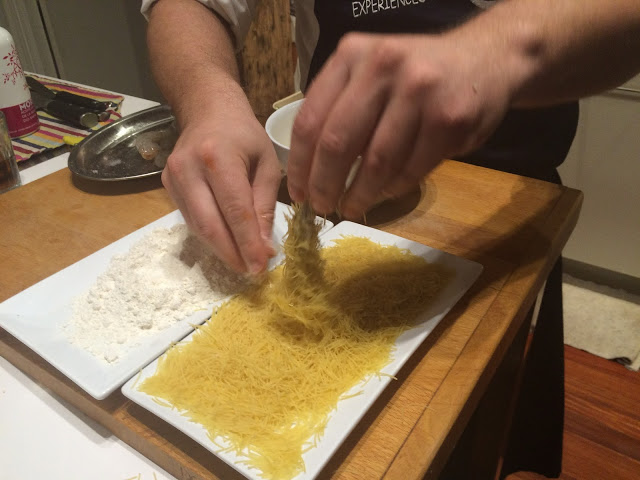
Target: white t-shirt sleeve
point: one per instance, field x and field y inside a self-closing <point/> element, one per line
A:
<point x="237" y="13"/>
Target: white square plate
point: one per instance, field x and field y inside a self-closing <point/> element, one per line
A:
<point x="36" y="316"/>
<point x="351" y="410"/>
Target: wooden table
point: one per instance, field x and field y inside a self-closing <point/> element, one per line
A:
<point x="514" y="226"/>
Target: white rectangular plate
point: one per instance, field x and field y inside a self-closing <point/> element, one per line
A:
<point x="349" y="411"/>
<point x="36" y="316"/>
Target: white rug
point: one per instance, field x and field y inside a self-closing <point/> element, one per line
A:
<point x="602" y="320"/>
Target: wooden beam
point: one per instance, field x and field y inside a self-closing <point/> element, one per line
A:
<point x="266" y="61"/>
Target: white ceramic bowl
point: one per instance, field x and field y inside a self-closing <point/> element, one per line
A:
<point x="279" y="126"/>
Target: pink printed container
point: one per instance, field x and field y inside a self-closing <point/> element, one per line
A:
<point x="15" y="98"/>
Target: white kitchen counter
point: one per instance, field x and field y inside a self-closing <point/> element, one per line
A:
<point x="41" y="436"/>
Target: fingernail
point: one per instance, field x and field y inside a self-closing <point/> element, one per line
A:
<point x="352" y="213"/>
<point x="255" y="279"/>
<point x="386" y="194"/>
<point x="320" y="208"/>
<point x="296" y="194"/>
<point x="255" y="267"/>
<point x="271" y="251"/>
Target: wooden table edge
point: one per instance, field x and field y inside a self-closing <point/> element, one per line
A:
<point x="408" y="465"/>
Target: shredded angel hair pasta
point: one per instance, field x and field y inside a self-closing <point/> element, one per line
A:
<point x="266" y="371"/>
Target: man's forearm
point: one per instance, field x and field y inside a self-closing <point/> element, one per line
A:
<point x="192" y="56"/>
<point x="558" y="50"/>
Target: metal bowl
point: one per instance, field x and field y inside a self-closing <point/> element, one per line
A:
<point x="110" y="154"/>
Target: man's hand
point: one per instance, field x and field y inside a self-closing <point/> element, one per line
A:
<point x="402" y="102"/>
<point x="224" y="175"/>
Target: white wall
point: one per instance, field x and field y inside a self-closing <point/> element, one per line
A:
<point x="604" y="162"/>
<point x="22" y="20"/>
<point x="96" y="42"/>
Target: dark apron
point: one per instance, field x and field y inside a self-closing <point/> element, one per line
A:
<point x="532" y="143"/>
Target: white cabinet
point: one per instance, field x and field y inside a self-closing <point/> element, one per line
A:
<point x="604" y="162"/>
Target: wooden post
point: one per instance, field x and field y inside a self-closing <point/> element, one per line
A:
<point x="266" y="60"/>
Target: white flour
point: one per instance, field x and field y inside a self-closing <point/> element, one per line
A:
<point x="163" y="279"/>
